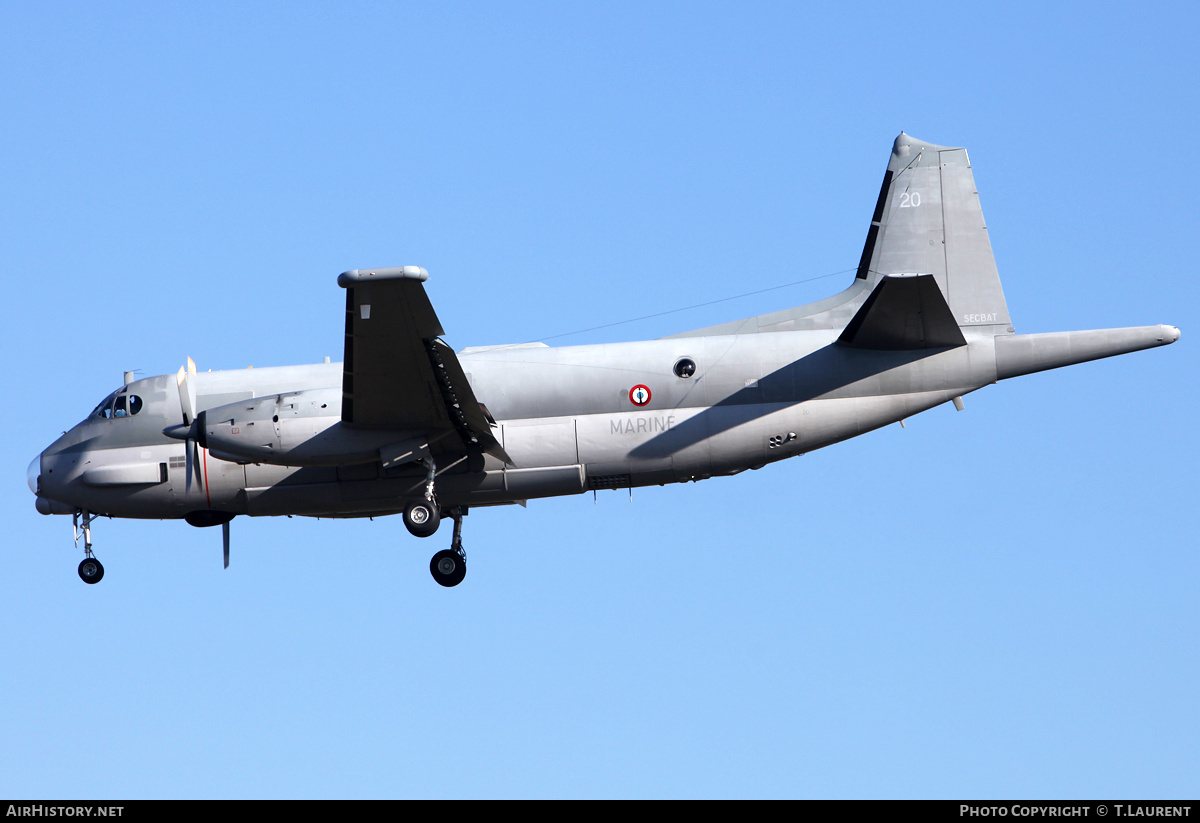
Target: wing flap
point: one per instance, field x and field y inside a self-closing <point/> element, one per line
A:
<point x="466" y="413"/>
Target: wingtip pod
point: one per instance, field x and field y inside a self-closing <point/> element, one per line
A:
<point x="1020" y="354"/>
<point x="349" y="278"/>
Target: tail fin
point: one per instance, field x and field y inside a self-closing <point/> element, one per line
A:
<point x="928" y="221"/>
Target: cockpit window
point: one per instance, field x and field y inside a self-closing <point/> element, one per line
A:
<point x="104" y="410"/>
<point x="117" y="404"/>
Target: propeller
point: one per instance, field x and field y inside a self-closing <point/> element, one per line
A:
<point x="186" y="381"/>
<point x="192" y="433"/>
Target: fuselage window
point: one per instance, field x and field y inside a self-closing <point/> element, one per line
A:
<point x="685" y="367"/>
<point x="127" y="405"/>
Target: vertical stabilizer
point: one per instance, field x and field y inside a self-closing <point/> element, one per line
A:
<point x="928" y="221"/>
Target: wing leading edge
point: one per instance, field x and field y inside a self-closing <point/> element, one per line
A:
<point x="398" y="374"/>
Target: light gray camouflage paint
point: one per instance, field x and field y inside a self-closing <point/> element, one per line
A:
<point x="765" y="388"/>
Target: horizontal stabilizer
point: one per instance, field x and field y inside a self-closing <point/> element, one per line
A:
<point x="904" y="312"/>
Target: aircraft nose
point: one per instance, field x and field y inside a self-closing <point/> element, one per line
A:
<point x="33" y="473"/>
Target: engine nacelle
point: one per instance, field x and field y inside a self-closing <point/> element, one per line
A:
<point x="294" y="429"/>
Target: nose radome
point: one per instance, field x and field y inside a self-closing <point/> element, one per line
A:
<point x="32" y="473"/>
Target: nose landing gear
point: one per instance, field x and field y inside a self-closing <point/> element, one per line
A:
<point x="90" y="569"/>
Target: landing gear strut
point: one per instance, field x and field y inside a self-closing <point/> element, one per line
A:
<point x="422" y="516"/>
<point x="90" y="569"/>
<point x="449" y="566"/>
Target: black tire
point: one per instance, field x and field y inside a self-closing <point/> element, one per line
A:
<point x="448" y="568"/>
<point x="422" y="518"/>
<point x="90" y="570"/>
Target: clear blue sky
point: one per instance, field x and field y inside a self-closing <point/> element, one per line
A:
<point x="997" y="602"/>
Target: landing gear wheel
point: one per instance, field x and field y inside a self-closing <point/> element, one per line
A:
<point x="90" y="570"/>
<point x="448" y="567"/>
<point x="422" y="518"/>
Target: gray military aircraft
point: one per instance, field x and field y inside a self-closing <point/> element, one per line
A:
<point x="405" y="425"/>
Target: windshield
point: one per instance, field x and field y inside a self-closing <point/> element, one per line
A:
<point x="118" y="404"/>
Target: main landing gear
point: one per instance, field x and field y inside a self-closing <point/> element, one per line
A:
<point x="449" y="566"/>
<point x="422" y="518"/>
<point x="90" y="569"/>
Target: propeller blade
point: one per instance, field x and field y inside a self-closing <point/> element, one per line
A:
<point x="192" y="458"/>
<point x="187" y="391"/>
<point x="187" y="469"/>
<point x="185" y="381"/>
<point x="196" y="465"/>
<point x="225" y="540"/>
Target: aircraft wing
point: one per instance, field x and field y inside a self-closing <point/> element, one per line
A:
<point x="397" y="373"/>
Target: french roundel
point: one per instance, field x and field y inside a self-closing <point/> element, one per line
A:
<point x="639" y="395"/>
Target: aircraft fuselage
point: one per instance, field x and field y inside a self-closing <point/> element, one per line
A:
<point x="565" y="415"/>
